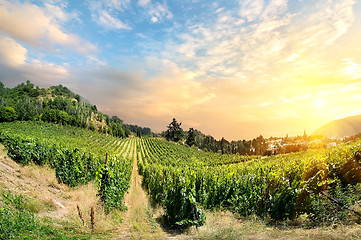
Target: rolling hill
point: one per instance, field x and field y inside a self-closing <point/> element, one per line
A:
<point x="340" y="128"/>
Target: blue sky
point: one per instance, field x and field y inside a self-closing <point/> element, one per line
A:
<point x="236" y="69"/>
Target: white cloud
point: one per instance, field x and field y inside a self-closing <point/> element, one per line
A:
<point x="158" y="12"/>
<point x="143" y="2"/>
<point x="351" y="68"/>
<point x="11" y="52"/>
<point x="251" y="9"/>
<point x="58" y="14"/>
<point x="109" y="22"/>
<point x="15" y="67"/>
<point x="105" y="13"/>
<point x="154" y="19"/>
<point x="30" y="23"/>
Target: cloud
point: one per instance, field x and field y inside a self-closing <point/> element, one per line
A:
<point x="15" y="67"/>
<point x="110" y="22"/>
<point x="157" y="11"/>
<point x="105" y="14"/>
<point x="11" y="53"/>
<point x="58" y="13"/>
<point x="258" y="67"/>
<point x="143" y="2"/>
<point x="276" y="42"/>
<point x="351" y="68"/>
<point x="30" y="23"/>
<point x="137" y="98"/>
<point x="251" y="9"/>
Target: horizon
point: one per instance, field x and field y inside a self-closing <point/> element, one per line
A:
<point x="235" y="69"/>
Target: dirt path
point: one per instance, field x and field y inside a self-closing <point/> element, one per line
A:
<point x="140" y="220"/>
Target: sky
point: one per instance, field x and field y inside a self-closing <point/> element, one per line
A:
<point x="233" y="69"/>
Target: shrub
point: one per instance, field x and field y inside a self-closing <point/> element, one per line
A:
<point x="7" y="114"/>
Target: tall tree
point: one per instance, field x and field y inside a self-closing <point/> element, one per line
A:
<point x="174" y="131"/>
<point x="191" y="138"/>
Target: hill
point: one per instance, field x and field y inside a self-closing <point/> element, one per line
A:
<point x="340" y="128"/>
<point x="60" y="105"/>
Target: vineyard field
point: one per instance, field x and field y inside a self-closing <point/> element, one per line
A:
<point x="323" y="184"/>
<point x="186" y="181"/>
<point x="77" y="155"/>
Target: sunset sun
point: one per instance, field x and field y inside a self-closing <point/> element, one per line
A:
<point x="319" y="103"/>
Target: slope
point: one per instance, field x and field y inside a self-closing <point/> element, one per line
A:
<point x="340" y="128"/>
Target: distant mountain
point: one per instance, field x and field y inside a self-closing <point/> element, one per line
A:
<point x="340" y="128"/>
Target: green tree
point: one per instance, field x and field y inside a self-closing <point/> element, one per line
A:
<point x="174" y="131"/>
<point x="62" y="117"/>
<point x="191" y="137"/>
<point x="7" y="114"/>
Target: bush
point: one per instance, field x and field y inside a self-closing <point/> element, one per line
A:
<point x="324" y="211"/>
<point x="7" y="114"/>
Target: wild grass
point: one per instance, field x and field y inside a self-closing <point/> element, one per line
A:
<point x="18" y="221"/>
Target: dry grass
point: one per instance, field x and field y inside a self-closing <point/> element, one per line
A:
<point x="139" y="220"/>
<point x="223" y="225"/>
<point x="52" y="200"/>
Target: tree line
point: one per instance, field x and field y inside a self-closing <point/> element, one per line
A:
<point x="193" y="137"/>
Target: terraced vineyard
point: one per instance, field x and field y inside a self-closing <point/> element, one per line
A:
<point x="185" y="181"/>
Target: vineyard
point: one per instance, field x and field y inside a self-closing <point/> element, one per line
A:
<point x="77" y="155"/>
<point x="325" y="183"/>
<point x="322" y="184"/>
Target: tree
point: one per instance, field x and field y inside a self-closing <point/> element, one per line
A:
<point x="7" y="114"/>
<point x="191" y="137"/>
<point x="260" y="145"/>
<point x="223" y="144"/>
<point x="174" y="131"/>
<point x="116" y="119"/>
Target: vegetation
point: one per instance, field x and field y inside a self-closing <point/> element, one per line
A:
<point x="59" y="105"/>
<point x="7" y="114"/>
<point x="174" y="131"/>
<point x="77" y="155"/>
<point x="17" y="221"/>
<point x="185" y="181"/>
<point x="67" y="134"/>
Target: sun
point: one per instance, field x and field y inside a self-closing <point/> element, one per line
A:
<point x="319" y="103"/>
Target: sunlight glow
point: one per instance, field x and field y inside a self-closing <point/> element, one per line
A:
<point x="319" y="103"/>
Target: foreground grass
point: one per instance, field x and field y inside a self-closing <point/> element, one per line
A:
<point x="223" y="225"/>
<point x="18" y="221"/>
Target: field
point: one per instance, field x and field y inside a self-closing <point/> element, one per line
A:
<point x="322" y="183"/>
<point x="188" y="187"/>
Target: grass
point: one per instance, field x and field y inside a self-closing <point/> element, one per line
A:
<point x="18" y="221"/>
<point x="224" y="225"/>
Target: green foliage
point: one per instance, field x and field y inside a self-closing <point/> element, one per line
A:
<point x="325" y="211"/>
<point x="7" y="114"/>
<point x="77" y="155"/>
<point x="185" y="180"/>
<point x="174" y="131"/>
<point x="56" y="105"/>
<point x="17" y="222"/>
<point x="191" y="137"/>
<point x="111" y="189"/>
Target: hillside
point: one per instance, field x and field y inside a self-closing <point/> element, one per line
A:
<point x="340" y="128"/>
<point x="58" y="104"/>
